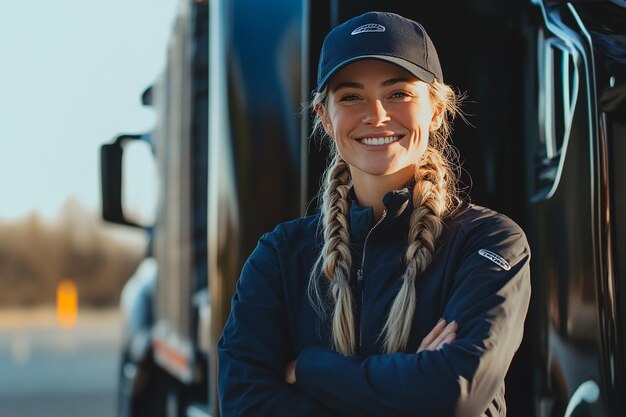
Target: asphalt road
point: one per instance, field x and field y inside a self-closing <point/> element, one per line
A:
<point x="46" y="370"/>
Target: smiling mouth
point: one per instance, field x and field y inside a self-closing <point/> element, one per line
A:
<point x="380" y="141"/>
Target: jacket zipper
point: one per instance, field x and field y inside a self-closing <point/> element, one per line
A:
<point x="359" y="277"/>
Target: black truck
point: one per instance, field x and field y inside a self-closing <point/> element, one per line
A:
<point x="546" y="82"/>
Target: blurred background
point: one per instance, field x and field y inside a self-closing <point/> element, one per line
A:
<point x="71" y="77"/>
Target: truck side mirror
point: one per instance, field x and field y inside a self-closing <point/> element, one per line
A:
<point x="120" y="192"/>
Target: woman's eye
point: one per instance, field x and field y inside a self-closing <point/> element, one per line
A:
<point x="400" y="94"/>
<point x="349" y="97"/>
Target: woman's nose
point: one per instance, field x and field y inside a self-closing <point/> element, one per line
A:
<point x="376" y="114"/>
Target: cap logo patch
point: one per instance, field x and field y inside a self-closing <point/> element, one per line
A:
<point x="370" y="27"/>
<point x="495" y="258"/>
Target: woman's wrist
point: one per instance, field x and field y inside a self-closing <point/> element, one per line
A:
<point x="290" y="372"/>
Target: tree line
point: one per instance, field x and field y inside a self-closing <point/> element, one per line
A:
<point x="37" y="253"/>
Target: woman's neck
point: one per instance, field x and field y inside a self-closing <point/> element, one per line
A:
<point x="370" y="189"/>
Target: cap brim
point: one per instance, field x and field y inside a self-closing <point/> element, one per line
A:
<point x="419" y="72"/>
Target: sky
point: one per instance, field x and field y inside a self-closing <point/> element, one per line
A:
<point x="71" y="76"/>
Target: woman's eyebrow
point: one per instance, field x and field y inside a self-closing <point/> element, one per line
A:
<point x="395" y="81"/>
<point x="349" y="84"/>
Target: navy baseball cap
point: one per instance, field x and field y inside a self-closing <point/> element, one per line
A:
<point x="384" y="36"/>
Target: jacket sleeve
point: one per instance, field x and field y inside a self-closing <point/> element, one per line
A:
<point x="254" y="348"/>
<point x="489" y="300"/>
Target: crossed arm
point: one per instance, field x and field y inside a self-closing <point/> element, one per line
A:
<point x="441" y="335"/>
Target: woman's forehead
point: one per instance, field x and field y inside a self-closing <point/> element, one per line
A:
<point x="371" y="71"/>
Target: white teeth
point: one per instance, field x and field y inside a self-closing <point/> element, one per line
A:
<point x="380" y="141"/>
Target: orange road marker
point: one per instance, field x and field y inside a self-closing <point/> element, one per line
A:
<point x="67" y="304"/>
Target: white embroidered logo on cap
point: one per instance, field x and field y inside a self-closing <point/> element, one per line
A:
<point x="495" y="258"/>
<point x="370" y="27"/>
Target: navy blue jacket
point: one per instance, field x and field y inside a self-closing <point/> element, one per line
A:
<point x="478" y="277"/>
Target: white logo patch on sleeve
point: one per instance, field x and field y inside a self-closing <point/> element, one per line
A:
<point x="495" y="258"/>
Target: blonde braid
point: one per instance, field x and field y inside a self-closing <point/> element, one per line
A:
<point x="430" y="198"/>
<point x="335" y="258"/>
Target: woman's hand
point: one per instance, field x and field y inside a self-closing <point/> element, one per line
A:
<point x="290" y="372"/>
<point x="440" y="335"/>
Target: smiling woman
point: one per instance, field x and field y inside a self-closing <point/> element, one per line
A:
<point x="383" y="303"/>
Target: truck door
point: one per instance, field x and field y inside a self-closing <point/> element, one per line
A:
<point x="570" y="218"/>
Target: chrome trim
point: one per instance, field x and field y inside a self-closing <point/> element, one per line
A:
<point x="570" y="97"/>
<point x="197" y="410"/>
<point x="587" y="392"/>
<point x="572" y="46"/>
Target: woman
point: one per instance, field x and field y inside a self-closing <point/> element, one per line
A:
<point x="397" y="299"/>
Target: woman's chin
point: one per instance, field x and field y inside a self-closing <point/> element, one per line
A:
<point x="384" y="172"/>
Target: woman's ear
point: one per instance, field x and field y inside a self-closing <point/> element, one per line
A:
<point x="323" y="115"/>
<point x="437" y="119"/>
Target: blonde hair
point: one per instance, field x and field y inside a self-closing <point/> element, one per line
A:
<point x="434" y="196"/>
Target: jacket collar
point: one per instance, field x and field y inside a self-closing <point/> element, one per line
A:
<point x="397" y="204"/>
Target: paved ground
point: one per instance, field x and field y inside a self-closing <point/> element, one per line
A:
<point x="49" y="371"/>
